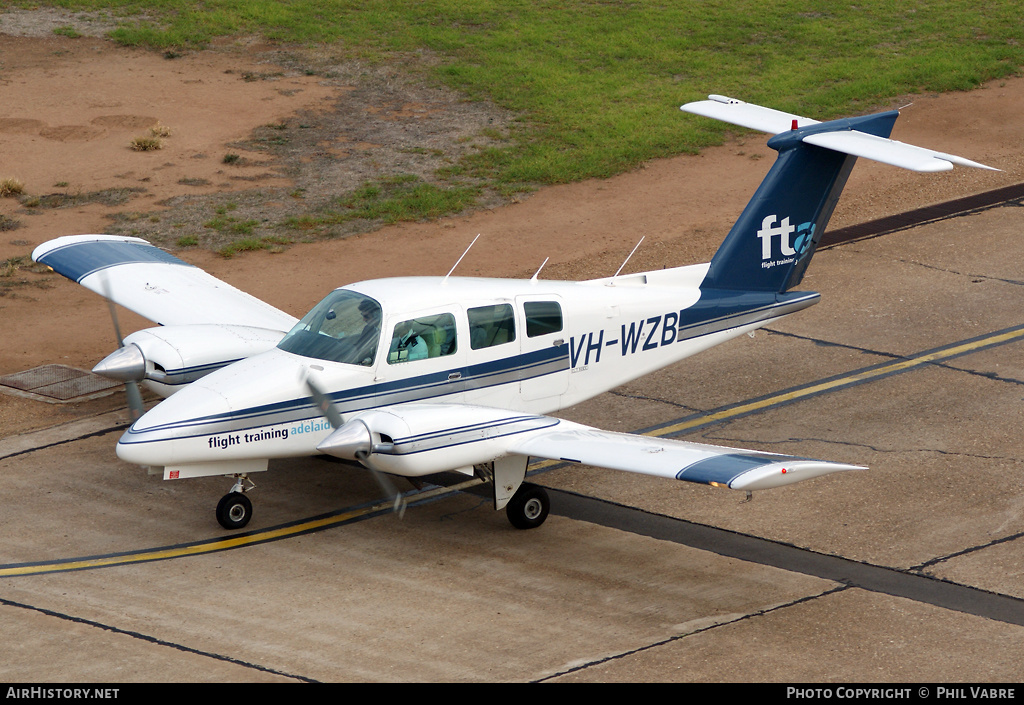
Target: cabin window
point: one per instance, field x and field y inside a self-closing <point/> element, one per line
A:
<point x="344" y="327"/>
<point x="542" y="317"/>
<point x="490" y="326"/>
<point x="423" y="338"/>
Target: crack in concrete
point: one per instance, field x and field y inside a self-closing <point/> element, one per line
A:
<point x="644" y="397"/>
<point x="694" y="632"/>
<point x="153" y="640"/>
<point x="921" y="567"/>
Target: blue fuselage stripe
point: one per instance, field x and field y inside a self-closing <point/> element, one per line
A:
<point x="504" y="371"/>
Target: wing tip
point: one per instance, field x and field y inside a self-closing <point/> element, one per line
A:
<point x="64" y="240"/>
<point x="789" y="472"/>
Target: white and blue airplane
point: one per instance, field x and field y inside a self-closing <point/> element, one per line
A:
<point x="415" y="376"/>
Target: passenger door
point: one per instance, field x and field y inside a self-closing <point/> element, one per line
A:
<point x="544" y="348"/>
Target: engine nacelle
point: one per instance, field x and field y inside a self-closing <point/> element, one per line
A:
<point x="423" y="439"/>
<point x="174" y="356"/>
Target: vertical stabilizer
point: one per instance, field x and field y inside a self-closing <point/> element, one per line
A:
<point x="770" y="246"/>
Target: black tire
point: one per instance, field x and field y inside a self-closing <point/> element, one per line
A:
<point x="528" y="507"/>
<point x="234" y="510"/>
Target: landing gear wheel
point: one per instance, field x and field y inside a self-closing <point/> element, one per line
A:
<point x="234" y="510"/>
<point x="528" y="507"/>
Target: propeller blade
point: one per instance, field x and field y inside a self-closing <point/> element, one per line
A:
<point x="324" y="405"/>
<point x="134" y="394"/>
<point x="126" y="363"/>
<point x="355" y="430"/>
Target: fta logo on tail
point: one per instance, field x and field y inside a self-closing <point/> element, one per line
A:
<point x="793" y="239"/>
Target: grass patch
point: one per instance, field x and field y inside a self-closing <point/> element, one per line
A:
<point x="271" y="243"/>
<point x="13" y="269"/>
<point x="228" y="224"/>
<point x="146" y="143"/>
<point x="106" y="197"/>
<point x="11" y="187"/>
<point x="598" y="84"/>
<point x="67" y="31"/>
<point x="389" y="201"/>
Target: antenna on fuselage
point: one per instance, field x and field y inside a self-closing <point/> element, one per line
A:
<point x="460" y="258"/>
<point x="537" y="273"/>
<point x="612" y="282"/>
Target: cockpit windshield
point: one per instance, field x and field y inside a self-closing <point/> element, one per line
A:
<point x="344" y="327"/>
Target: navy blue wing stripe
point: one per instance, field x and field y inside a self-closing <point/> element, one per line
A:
<point x="723" y="469"/>
<point x="78" y="260"/>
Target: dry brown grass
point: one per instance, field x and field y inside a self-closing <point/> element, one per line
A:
<point x="11" y="187"/>
<point x="146" y="143"/>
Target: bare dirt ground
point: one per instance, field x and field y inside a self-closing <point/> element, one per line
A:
<point x="305" y="127"/>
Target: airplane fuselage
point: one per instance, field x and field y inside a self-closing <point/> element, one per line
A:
<point x="529" y="346"/>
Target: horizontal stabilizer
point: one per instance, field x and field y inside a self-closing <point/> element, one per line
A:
<point x="836" y="135"/>
<point x="747" y="115"/>
<point x="886" y="151"/>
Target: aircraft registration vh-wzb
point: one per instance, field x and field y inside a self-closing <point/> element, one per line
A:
<point x="415" y="376"/>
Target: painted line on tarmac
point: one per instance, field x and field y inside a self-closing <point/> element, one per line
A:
<point x="671" y="428"/>
<point x="840" y="381"/>
<point x="306" y="526"/>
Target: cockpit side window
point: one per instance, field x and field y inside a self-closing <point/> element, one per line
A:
<point x="491" y="325"/>
<point x="344" y="327"/>
<point x="542" y="317"/>
<point x="422" y="338"/>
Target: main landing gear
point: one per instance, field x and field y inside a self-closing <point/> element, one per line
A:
<point x="234" y="509"/>
<point x="528" y="507"/>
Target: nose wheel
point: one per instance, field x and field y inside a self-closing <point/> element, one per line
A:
<point x="234" y="509"/>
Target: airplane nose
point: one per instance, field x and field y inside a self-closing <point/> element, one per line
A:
<point x="176" y="429"/>
<point x="351" y="441"/>
<point x="126" y="364"/>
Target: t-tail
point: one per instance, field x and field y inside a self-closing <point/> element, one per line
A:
<point x="770" y="246"/>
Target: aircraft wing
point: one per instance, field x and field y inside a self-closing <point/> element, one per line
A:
<point x="664" y="457"/>
<point x="155" y="284"/>
<point x="432" y="437"/>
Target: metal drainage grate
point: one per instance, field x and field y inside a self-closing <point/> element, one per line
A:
<point x="57" y="384"/>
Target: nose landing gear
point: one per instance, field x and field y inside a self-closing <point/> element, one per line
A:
<point x="234" y="509"/>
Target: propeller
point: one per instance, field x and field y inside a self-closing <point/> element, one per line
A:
<point x="126" y="364"/>
<point x="352" y="440"/>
